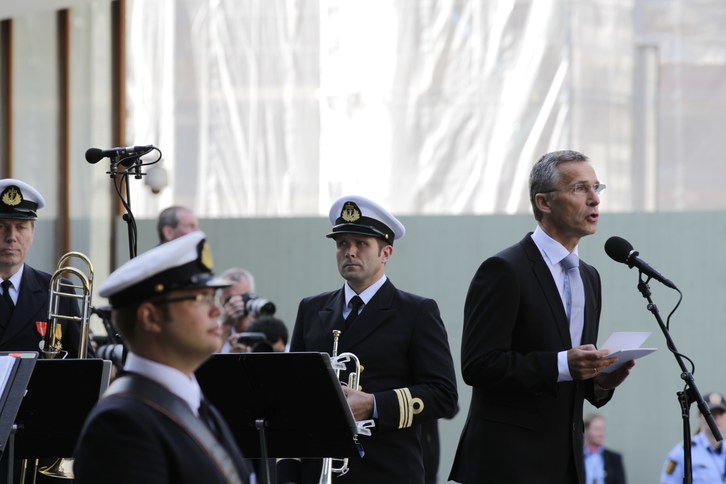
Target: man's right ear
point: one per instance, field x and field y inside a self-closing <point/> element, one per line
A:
<point x="168" y="232"/>
<point x="543" y="202"/>
<point x="149" y="317"/>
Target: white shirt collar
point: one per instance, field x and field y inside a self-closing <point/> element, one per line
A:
<point x="172" y="379"/>
<point x="552" y="251"/>
<point x="367" y="294"/>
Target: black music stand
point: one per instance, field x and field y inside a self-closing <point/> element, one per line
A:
<point x="12" y="395"/>
<point x="61" y="394"/>
<point x="281" y="404"/>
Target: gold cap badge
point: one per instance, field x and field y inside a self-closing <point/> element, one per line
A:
<point x="11" y="196"/>
<point x="206" y="256"/>
<point x="350" y="212"/>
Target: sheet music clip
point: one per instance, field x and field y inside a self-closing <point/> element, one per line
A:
<point x="340" y="362"/>
<point x="365" y="426"/>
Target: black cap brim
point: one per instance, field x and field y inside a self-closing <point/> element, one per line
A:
<point x="18" y="215"/>
<point x="180" y="278"/>
<point x="381" y="232"/>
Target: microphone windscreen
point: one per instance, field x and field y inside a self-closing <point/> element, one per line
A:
<point x="618" y="249"/>
<point x="94" y="155"/>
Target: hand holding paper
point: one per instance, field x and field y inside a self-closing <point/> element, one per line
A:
<point x="626" y="346"/>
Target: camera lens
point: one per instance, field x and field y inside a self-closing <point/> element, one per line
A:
<point x="260" y="307"/>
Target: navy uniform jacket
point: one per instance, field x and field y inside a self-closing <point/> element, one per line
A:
<point x="402" y="344"/>
<point x="127" y="440"/>
<point x="514" y="326"/>
<point x="21" y="333"/>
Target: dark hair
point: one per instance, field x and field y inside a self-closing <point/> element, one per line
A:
<point x="545" y="174"/>
<point x="273" y="328"/>
<point x="169" y="217"/>
<point x="124" y="320"/>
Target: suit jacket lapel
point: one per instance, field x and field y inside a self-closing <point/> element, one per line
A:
<point x="331" y="316"/>
<point x="544" y="278"/>
<point x="590" y="323"/>
<point x="374" y="314"/>
<point x="31" y="305"/>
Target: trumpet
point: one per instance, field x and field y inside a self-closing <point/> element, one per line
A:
<point x="68" y="277"/>
<point x="339" y="362"/>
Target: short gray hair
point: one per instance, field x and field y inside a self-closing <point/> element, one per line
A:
<point x="235" y="275"/>
<point x="545" y="176"/>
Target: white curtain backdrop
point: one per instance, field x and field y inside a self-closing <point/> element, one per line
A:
<point x="276" y="108"/>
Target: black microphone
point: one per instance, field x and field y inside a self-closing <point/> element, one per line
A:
<point x="94" y="155"/>
<point x="620" y="250"/>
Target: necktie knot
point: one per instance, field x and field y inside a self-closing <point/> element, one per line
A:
<point x="356" y="302"/>
<point x="570" y="262"/>
<point x="6" y="285"/>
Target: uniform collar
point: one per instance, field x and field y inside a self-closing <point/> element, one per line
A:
<point x="367" y="294"/>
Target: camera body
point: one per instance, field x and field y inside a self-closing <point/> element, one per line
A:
<point x="256" y="306"/>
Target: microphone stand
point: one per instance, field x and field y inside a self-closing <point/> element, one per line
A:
<point x="128" y="217"/>
<point x="685" y="398"/>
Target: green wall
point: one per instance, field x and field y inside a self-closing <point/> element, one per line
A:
<point x="291" y="258"/>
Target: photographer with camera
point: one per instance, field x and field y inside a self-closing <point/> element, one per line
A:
<point x="240" y="307"/>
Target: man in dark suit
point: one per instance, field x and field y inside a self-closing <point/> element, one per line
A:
<point x="26" y="291"/>
<point x="602" y="465"/>
<point x="153" y="424"/>
<point x="399" y="338"/>
<point x="528" y="346"/>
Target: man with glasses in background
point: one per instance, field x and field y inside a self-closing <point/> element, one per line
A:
<point x="153" y="424"/>
<point x="531" y="321"/>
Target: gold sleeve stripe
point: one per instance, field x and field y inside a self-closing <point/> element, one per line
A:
<point x="403" y="396"/>
<point x="401" y="407"/>
<point x="408" y="406"/>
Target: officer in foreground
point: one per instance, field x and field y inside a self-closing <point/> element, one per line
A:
<point x="153" y="424"/>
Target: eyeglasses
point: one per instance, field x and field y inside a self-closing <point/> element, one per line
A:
<point x="210" y="299"/>
<point x="581" y="189"/>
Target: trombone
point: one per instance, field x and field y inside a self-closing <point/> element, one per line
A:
<point x="70" y="278"/>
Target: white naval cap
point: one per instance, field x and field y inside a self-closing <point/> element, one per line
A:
<point x="18" y="200"/>
<point x="358" y="215"/>
<point x="182" y="263"/>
